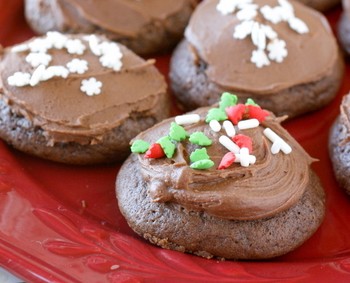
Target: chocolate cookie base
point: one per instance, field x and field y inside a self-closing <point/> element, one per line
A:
<point x="339" y="151"/>
<point x="24" y="136"/>
<point x="155" y="37"/>
<point x="173" y="227"/>
<point x="320" y="5"/>
<point x="344" y="33"/>
<point x="193" y="88"/>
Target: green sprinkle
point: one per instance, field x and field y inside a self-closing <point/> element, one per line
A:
<point x="200" y="138"/>
<point x="216" y="114"/>
<point x="202" y="164"/>
<point x="167" y="146"/>
<point x="177" y="132"/>
<point x="227" y="100"/>
<point x="139" y="146"/>
<point x="251" y="102"/>
<point x="199" y="154"/>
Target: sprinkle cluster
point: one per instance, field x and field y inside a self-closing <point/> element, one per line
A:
<point x="231" y="117"/>
<point x="268" y="46"/>
<point x="38" y="57"/>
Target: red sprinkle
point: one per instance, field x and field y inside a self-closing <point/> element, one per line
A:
<point x="155" y="151"/>
<point x="227" y="160"/>
<point x="257" y="113"/>
<point x="235" y="113"/>
<point x="243" y="141"/>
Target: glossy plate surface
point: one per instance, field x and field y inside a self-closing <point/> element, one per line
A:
<point x="61" y="223"/>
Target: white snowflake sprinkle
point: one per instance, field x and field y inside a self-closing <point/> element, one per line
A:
<point x="271" y="14"/>
<point x="111" y="48"/>
<point x="243" y="29"/>
<point x="19" y="79"/>
<point x="77" y="66"/>
<point x="111" y="61"/>
<point x="249" y="12"/>
<point x="75" y="46"/>
<point x="277" y="50"/>
<point x="259" y="58"/>
<point x="36" y="59"/>
<point x="298" y="25"/>
<point x="39" y="45"/>
<point x="91" y="86"/>
<point x="57" y="39"/>
<point x="229" y="6"/>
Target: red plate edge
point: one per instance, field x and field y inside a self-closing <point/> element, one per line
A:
<point x="47" y="234"/>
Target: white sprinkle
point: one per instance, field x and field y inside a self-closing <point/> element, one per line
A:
<point x="39" y="45"/>
<point x="243" y="29"/>
<point x="260" y="58"/>
<point x="94" y="44"/>
<point x="57" y="39"/>
<point x="77" y="66"/>
<point x="58" y="71"/>
<point x="244" y="156"/>
<point x="276" y="146"/>
<point x="247" y="13"/>
<point x="298" y="25"/>
<point x="248" y="124"/>
<point x="36" y="59"/>
<point x="269" y="32"/>
<point x="251" y="158"/>
<point x="187" y="119"/>
<point x="277" y="50"/>
<point x="258" y="36"/>
<point x="215" y="126"/>
<point x="19" y="79"/>
<point x="229" y="144"/>
<point x="111" y="48"/>
<point x="91" y="86"/>
<point x="75" y="46"/>
<point x="229" y="128"/>
<point x="114" y="267"/>
<point x="37" y="75"/>
<point x="273" y="137"/>
<point x="111" y="61"/>
<point x="20" y="48"/>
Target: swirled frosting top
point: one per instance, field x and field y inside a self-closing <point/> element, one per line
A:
<point x="196" y="165"/>
<point x="262" y="46"/>
<point x="77" y="87"/>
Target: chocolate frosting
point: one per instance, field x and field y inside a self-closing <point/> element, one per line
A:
<point x="311" y="56"/>
<point x="124" y="17"/>
<point x="273" y="184"/>
<point x="64" y="112"/>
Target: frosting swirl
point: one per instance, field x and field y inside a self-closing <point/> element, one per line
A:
<point x="273" y="184"/>
<point x="60" y="107"/>
<point x="311" y="55"/>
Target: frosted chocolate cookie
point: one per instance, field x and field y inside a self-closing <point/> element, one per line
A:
<point x="227" y="181"/>
<point x="77" y="98"/>
<point x="320" y="5"/>
<point x="339" y="145"/>
<point x="280" y="53"/>
<point x="145" y="26"/>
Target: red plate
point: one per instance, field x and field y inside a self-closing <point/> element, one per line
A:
<point x="61" y="223"/>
